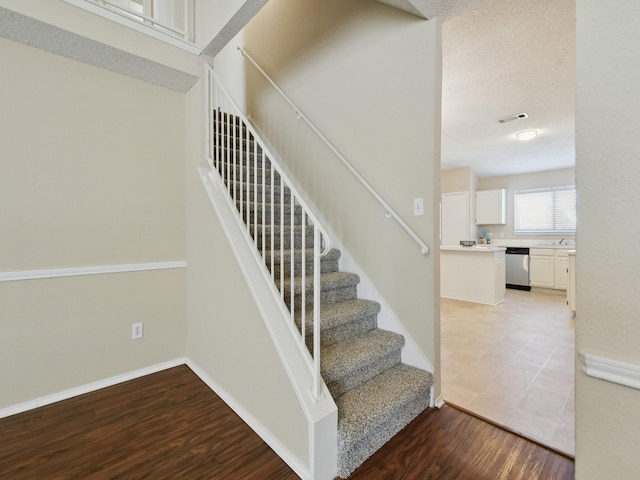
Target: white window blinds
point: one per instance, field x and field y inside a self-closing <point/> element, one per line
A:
<point x="547" y="210"/>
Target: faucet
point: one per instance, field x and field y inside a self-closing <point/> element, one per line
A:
<point x="562" y="242"/>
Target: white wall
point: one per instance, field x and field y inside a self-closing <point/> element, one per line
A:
<point x="91" y="174"/>
<point x="211" y="17"/>
<point x="607" y="175"/>
<point x="457" y="180"/>
<point x="369" y="77"/>
<point x="512" y="183"/>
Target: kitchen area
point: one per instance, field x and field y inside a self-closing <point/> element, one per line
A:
<point x="486" y="245"/>
<point x="508" y="303"/>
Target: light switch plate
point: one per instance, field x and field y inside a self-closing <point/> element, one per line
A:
<point x="418" y="207"/>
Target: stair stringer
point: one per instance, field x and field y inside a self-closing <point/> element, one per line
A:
<point x="387" y="319"/>
<point x="322" y="415"/>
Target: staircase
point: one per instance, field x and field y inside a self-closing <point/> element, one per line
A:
<point x="375" y="393"/>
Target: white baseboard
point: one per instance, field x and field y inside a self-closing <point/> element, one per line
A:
<point x="258" y="427"/>
<point x="90" y="387"/>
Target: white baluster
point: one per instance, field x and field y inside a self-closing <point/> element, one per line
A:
<point x="273" y="223"/>
<point x="303" y="280"/>
<point x="316" y="311"/>
<point x="264" y="207"/>
<point x="281" y="236"/>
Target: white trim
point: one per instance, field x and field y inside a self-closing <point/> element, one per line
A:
<point x="610" y="370"/>
<point x="258" y="427"/>
<point x="93" y="270"/>
<point x="90" y="387"/>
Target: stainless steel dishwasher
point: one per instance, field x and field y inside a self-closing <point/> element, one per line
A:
<point x="517" y="268"/>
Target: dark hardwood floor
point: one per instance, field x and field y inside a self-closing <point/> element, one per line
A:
<point x="449" y="444"/>
<point x="171" y="426"/>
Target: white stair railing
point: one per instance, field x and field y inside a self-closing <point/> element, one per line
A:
<point x="258" y="190"/>
<point x="389" y="212"/>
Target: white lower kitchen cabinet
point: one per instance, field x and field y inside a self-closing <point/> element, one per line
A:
<point x="571" y="283"/>
<point x="541" y="267"/>
<point x="548" y="268"/>
<point x="475" y="274"/>
<point x="560" y="269"/>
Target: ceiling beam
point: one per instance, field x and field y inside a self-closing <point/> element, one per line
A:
<point x="236" y="23"/>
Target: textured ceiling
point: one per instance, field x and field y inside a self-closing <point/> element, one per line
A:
<point x="35" y="33"/>
<point x="505" y="57"/>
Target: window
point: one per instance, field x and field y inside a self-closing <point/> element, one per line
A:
<point x="171" y="17"/>
<point x="545" y="210"/>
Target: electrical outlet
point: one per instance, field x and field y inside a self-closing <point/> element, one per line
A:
<point x="136" y="331"/>
<point x="418" y="207"/>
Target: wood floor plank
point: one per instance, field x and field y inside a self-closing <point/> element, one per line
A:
<point x="448" y="444"/>
<point x="170" y="425"/>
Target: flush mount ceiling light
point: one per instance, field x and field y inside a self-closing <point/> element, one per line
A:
<point x="527" y="135"/>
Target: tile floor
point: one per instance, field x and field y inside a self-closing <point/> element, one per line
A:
<point x="513" y="364"/>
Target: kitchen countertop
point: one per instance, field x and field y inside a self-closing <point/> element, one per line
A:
<point x="477" y="248"/>
<point x="510" y="242"/>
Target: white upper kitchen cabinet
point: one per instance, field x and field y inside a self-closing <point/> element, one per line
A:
<point x="490" y="207"/>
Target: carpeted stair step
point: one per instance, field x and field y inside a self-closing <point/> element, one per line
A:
<point x="250" y="169"/>
<point x="341" y="321"/>
<point x="350" y="363"/>
<point x="224" y="128"/>
<point x="242" y="174"/>
<point x="334" y="287"/>
<point x="266" y="212"/>
<point x="283" y="236"/>
<point x="226" y="154"/>
<point x="226" y="122"/>
<point x="328" y="263"/>
<point x="236" y="148"/>
<point x="235" y="139"/>
<point x="368" y="416"/>
<point x="251" y="188"/>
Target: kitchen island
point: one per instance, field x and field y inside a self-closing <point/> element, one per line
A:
<point x="473" y="274"/>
